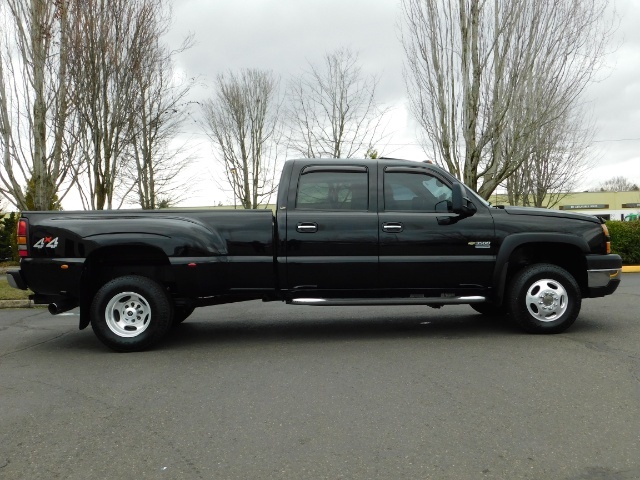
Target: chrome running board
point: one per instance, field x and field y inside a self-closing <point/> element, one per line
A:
<point x="345" y="302"/>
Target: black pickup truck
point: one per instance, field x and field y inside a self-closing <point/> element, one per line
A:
<point x="345" y="232"/>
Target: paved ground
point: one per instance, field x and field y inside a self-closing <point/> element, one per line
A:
<point x="273" y="391"/>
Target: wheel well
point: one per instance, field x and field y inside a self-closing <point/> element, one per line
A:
<point x="566" y="256"/>
<point x="111" y="262"/>
<point x="108" y="263"/>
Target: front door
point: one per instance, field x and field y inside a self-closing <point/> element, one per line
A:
<point x="422" y="245"/>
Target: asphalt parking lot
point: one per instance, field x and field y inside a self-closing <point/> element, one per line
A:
<point x="273" y="391"/>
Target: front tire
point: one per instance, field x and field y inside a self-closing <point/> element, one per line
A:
<point x="544" y="298"/>
<point x="131" y="313"/>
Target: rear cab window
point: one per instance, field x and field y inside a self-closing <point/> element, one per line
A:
<point x="327" y="188"/>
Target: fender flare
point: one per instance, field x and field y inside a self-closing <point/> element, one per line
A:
<point x="516" y="240"/>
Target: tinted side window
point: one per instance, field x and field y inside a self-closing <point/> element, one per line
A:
<point x="333" y="191"/>
<point x="415" y="192"/>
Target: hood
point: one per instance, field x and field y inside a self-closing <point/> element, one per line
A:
<point x="544" y="212"/>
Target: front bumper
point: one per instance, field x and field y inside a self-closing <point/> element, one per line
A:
<point x="603" y="274"/>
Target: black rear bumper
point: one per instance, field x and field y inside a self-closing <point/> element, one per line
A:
<point x="15" y="280"/>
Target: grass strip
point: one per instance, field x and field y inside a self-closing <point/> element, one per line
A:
<point x="9" y="293"/>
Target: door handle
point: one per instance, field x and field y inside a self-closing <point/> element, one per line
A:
<point x="392" y="227"/>
<point x="307" y="227"/>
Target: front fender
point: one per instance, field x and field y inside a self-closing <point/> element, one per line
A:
<point x="517" y="240"/>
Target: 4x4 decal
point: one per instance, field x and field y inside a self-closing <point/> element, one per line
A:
<point x="46" y="242"/>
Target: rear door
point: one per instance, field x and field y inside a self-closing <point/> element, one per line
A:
<point x="332" y="227"/>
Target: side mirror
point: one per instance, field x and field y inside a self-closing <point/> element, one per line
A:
<point x="460" y="203"/>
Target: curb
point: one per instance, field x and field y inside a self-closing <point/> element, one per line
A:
<point x="16" y="304"/>
<point x="631" y="269"/>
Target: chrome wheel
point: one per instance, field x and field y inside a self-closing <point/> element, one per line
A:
<point x="128" y="314"/>
<point x="546" y="300"/>
<point x="131" y="313"/>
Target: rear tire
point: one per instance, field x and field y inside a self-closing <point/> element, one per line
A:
<point x="544" y="298"/>
<point x="131" y="313"/>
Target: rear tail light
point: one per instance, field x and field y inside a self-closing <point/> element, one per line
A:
<point x="23" y="231"/>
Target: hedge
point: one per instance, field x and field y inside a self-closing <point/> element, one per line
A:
<point x="625" y="240"/>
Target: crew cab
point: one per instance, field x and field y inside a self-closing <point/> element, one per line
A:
<point x="344" y="232"/>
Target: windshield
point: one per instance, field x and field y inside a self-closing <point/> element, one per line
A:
<point x="479" y="198"/>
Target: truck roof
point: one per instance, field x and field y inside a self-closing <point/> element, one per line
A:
<point x="427" y="164"/>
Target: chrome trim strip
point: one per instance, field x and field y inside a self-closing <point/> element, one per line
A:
<point x="602" y="277"/>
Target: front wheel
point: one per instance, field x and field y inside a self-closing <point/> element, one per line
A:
<point x="544" y="298"/>
<point x="130" y="313"/>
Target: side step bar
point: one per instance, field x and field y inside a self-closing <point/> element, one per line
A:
<point x="344" y="302"/>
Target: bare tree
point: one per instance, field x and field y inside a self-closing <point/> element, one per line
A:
<point x="110" y="40"/>
<point x="559" y="159"/>
<point x="35" y="111"/>
<point x="333" y="110"/>
<point x="617" y="184"/>
<point x="485" y="79"/>
<point x="155" y="122"/>
<point x="243" y="123"/>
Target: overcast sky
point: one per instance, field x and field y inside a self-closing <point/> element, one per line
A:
<point x="284" y="35"/>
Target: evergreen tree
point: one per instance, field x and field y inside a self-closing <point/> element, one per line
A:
<point x="8" y="240"/>
<point x="29" y="195"/>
